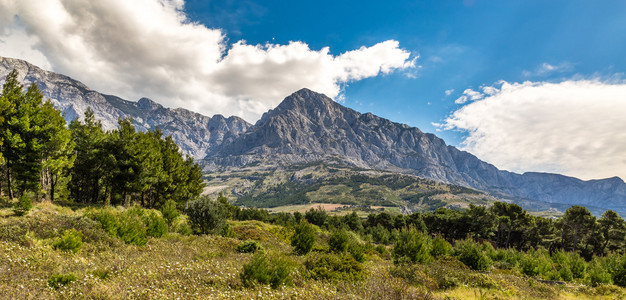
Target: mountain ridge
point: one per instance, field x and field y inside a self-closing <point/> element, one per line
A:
<point x="195" y="134"/>
<point x="310" y="127"/>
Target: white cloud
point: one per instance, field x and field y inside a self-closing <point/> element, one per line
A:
<point x="547" y="69"/>
<point x="149" y="48"/>
<point x="449" y="92"/>
<point x="573" y="127"/>
<point x="469" y="95"/>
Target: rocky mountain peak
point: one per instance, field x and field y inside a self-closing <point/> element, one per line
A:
<point x="147" y="104"/>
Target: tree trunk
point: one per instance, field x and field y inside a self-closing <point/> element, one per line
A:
<point x="53" y="182"/>
<point x="9" y="183"/>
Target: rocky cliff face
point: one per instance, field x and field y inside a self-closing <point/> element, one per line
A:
<point x="194" y="133"/>
<point x="308" y="126"/>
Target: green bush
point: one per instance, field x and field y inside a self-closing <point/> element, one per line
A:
<point x="597" y="274"/>
<point x="206" y="216"/>
<point x="473" y="255"/>
<point x="170" y="211"/>
<point x="275" y="272"/>
<point x="57" y="280"/>
<point x="380" y="234"/>
<point x="339" y="240"/>
<point x="619" y="277"/>
<point x="334" y="267"/>
<point x="23" y="205"/>
<point x="249" y="246"/>
<point x="577" y="265"/>
<point x="357" y="251"/>
<point x="71" y="241"/>
<point x="156" y="226"/>
<point x="303" y="238"/>
<point x="181" y="226"/>
<point x="132" y="229"/>
<point x="411" y="246"/>
<point x="228" y="231"/>
<point x="108" y="219"/>
<point x="440" y="247"/>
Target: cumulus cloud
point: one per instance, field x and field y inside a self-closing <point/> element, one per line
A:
<point x="572" y="127"/>
<point x="150" y="48"/>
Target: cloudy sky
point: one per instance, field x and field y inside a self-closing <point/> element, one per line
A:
<point x="526" y="85"/>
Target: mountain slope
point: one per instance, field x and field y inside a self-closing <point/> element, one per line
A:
<point x="308" y="127"/>
<point x="194" y="133"/>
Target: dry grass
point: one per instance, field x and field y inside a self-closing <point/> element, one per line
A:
<point x="208" y="267"/>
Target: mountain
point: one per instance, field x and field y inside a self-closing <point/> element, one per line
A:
<point x="309" y="126"/>
<point x="194" y="133"/>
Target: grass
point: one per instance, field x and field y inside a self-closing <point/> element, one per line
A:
<point x="209" y="267"/>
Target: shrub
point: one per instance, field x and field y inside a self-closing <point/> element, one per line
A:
<point x="577" y="265"/>
<point x="303" y="238"/>
<point x="131" y="229"/>
<point x="411" y="246"/>
<point x="156" y="225"/>
<point x="334" y="267"/>
<point x="57" y="280"/>
<point x="170" y="211"/>
<point x="339" y="240"/>
<point x="440" y="247"/>
<point x="206" y="216"/>
<point x="108" y="219"/>
<point x="228" y="231"/>
<point x="275" y="272"/>
<point x="357" y="251"/>
<point x="317" y="216"/>
<point x="249" y="247"/>
<point x="71" y="241"/>
<point x="380" y="234"/>
<point x="597" y="275"/>
<point x="181" y="226"/>
<point x="473" y="255"/>
<point x="23" y="205"/>
<point x="619" y="277"/>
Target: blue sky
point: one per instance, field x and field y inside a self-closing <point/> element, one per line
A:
<point x="525" y="85"/>
<point x="461" y="44"/>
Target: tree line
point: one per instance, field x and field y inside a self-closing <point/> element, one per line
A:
<point x="41" y="155"/>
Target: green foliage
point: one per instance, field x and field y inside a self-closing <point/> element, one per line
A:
<point x="412" y="246"/>
<point x="380" y="234"/>
<point x="339" y="240"/>
<point x="132" y="229"/>
<point x="58" y="280"/>
<point x="228" y="231"/>
<point x="316" y="216"/>
<point x="71" y="241"/>
<point x="249" y="246"/>
<point x="274" y="272"/>
<point x="181" y="226"/>
<point x="124" y="166"/>
<point x="156" y="225"/>
<point x="357" y="250"/>
<point x="170" y="211"/>
<point x="108" y="219"/>
<point x="303" y="238"/>
<point x="206" y="216"/>
<point x="440" y="247"/>
<point x="23" y="205"/>
<point x="473" y="254"/>
<point x="334" y="267"/>
<point x="597" y="274"/>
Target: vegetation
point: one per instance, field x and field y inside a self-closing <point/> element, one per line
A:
<point x="79" y="219"/>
